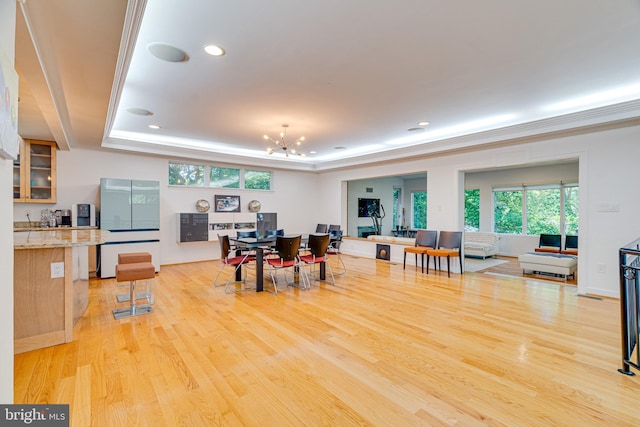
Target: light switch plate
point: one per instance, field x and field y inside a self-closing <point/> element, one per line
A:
<point x="608" y="207"/>
<point x="57" y="269"/>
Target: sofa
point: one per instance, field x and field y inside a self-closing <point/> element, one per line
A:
<point x="480" y="245"/>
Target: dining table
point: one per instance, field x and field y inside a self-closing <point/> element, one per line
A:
<point x="259" y="244"/>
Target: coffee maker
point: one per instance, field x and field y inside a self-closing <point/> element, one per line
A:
<point x="65" y="218"/>
<point x="83" y="215"/>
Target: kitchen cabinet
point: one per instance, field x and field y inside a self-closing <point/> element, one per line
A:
<point x="46" y="306"/>
<point x="203" y="227"/>
<point x="129" y="205"/>
<point x="34" y="172"/>
<point x="193" y="227"/>
<point x="130" y="210"/>
<point x="230" y="224"/>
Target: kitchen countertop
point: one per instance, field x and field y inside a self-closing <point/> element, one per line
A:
<point x="59" y="237"/>
<point x="25" y="226"/>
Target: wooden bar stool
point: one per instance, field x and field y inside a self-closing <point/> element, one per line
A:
<point x="132" y="258"/>
<point x="131" y="273"/>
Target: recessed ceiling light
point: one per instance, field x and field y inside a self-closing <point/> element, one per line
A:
<point x="313" y="152"/>
<point x="339" y="148"/>
<point x="214" y="50"/>
<point x="139" y="111"/>
<point x="166" y="52"/>
<point x="154" y="127"/>
<point x="423" y="123"/>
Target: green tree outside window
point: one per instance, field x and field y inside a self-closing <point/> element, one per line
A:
<point x="257" y="180"/>
<point x="186" y="175"/>
<point x="507" y="212"/>
<point x="472" y="210"/>
<point x="224" y="177"/>
<point x="419" y="202"/>
<point x="396" y="207"/>
<point x="543" y="211"/>
<point x="571" y="210"/>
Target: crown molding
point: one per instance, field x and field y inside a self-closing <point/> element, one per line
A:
<point x="130" y="30"/>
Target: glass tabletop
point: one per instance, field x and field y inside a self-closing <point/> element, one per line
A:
<point x="254" y="241"/>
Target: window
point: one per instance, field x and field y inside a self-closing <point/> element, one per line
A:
<point x="257" y="180"/>
<point x="507" y="208"/>
<point x="571" y="210"/>
<point x="544" y="209"/>
<point x="472" y="210"/>
<point x="224" y="177"/>
<point x="396" y="208"/>
<point x="419" y="209"/>
<point x="186" y="175"/>
<point x="189" y="175"/>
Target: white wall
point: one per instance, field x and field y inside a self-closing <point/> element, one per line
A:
<point x="383" y="190"/>
<point x="608" y="161"/>
<point x="7" y="37"/>
<point x="607" y="165"/>
<point x="294" y="197"/>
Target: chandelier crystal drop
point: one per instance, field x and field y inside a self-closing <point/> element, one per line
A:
<point x="282" y="143"/>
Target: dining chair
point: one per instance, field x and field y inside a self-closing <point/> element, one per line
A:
<point x="229" y="259"/>
<point x="425" y="240"/>
<point x="335" y="241"/>
<point x="286" y="257"/>
<point x="334" y="227"/>
<point x="317" y="246"/>
<point x="272" y="233"/>
<point x="322" y="228"/>
<point x="253" y="234"/>
<point x="450" y="244"/>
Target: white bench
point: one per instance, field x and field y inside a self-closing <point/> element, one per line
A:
<point x="564" y="265"/>
<point x="410" y="241"/>
<point x="480" y="245"/>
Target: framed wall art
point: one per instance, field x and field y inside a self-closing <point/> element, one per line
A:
<point x="226" y="203"/>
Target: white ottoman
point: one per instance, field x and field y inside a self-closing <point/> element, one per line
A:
<point x="564" y="265"/>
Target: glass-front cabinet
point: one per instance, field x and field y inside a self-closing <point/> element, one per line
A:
<point x="34" y="172"/>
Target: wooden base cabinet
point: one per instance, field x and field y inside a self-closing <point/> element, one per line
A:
<point x="46" y="307"/>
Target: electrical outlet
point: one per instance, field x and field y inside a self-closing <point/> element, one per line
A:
<point x="27" y="213"/>
<point x="57" y="269"/>
<point x="602" y="268"/>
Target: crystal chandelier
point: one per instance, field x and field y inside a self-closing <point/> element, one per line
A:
<point x="282" y="144"/>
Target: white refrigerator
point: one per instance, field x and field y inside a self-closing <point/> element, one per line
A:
<point x="130" y="210"/>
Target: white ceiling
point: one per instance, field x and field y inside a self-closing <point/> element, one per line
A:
<point x="355" y="74"/>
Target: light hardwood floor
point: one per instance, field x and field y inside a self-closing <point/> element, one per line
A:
<point x="382" y="347"/>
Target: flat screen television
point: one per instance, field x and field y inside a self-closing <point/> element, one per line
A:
<point x="366" y="207"/>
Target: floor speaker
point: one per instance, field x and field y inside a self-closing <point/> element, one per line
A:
<point x="383" y="252"/>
